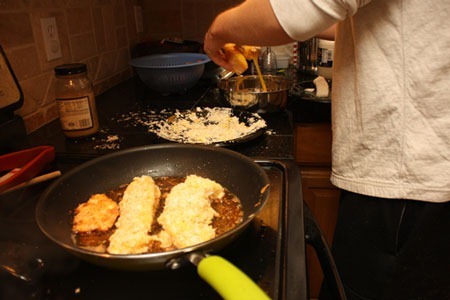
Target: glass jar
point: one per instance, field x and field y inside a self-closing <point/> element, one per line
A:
<point x="269" y="62"/>
<point x="325" y="59"/>
<point x="75" y="100"/>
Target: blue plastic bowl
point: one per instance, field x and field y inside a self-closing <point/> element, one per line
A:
<point x="172" y="73"/>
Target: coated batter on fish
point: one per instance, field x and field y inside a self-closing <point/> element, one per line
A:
<point x="188" y="214"/>
<point x="137" y="211"/>
<point x="97" y="214"/>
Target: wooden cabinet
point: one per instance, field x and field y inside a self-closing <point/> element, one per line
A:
<point x="313" y="157"/>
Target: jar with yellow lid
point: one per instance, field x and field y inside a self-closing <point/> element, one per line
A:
<point x="75" y="100"/>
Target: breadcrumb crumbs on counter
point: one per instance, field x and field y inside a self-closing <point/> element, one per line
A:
<point x="109" y="142"/>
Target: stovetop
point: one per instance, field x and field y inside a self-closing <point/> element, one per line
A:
<point x="261" y="252"/>
<point x="271" y="251"/>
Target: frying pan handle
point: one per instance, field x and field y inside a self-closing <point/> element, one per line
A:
<point x="315" y="237"/>
<point x="230" y="282"/>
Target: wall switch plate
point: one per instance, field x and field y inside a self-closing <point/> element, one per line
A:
<point x="51" y="38"/>
<point x="138" y="19"/>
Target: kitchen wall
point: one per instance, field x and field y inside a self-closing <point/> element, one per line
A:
<point x="189" y="19"/>
<point x="100" y="33"/>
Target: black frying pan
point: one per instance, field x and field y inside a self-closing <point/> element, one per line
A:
<point x="241" y="175"/>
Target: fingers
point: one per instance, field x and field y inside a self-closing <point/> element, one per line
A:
<point x="229" y="56"/>
<point x="250" y="52"/>
<point x="235" y="57"/>
<point x="218" y="57"/>
<point x="213" y="48"/>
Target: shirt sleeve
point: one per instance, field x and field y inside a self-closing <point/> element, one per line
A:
<point x="303" y="19"/>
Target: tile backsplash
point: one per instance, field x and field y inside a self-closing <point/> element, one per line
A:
<point x="100" y="33"/>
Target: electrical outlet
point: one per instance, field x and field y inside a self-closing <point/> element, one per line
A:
<point x="138" y="19"/>
<point x="51" y="38"/>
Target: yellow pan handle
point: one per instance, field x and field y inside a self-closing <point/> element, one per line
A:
<point x="230" y="282"/>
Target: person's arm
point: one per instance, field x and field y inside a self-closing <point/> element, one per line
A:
<point x="328" y="34"/>
<point x="251" y="23"/>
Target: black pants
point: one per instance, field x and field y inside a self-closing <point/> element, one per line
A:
<point x="392" y="249"/>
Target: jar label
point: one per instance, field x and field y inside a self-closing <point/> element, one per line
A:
<point x="325" y="57"/>
<point x="75" y="113"/>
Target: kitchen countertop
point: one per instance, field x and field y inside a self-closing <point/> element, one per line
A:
<point x="310" y="111"/>
<point x="120" y="107"/>
<point x="304" y="106"/>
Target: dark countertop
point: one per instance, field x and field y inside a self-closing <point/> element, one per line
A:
<point x="310" y="111"/>
<point x="121" y="107"/>
<point x="305" y="107"/>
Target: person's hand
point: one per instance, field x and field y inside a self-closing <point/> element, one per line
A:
<point x="214" y="49"/>
<point x="253" y="22"/>
<point x="234" y="57"/>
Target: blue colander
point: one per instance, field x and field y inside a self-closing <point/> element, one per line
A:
<point x="172" y="73"/>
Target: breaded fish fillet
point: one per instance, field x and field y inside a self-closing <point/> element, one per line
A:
<point x="187" y="215"/>
<point x="250" y="52"/>
<point x="98" y="213"/>
<point x="238" y="56"/>
<point x="137" y="210"/>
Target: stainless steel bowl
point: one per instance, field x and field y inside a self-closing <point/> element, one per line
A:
<point x="246" y="92"/>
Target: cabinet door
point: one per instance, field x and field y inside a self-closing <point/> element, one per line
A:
<point x="323" y="200"/>
<point x="313" y="144"/>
